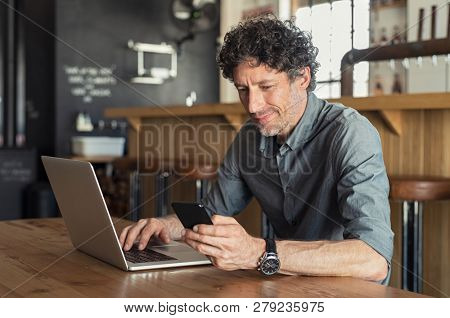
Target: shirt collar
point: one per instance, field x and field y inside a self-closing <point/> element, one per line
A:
<point x="301" y="133"/>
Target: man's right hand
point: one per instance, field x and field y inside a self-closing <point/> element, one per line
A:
<point x="143" y="230"/>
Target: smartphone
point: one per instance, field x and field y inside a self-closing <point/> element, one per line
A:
<point x="191" y="214"/>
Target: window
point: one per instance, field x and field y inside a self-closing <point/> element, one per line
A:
<point x="334" y="34"/>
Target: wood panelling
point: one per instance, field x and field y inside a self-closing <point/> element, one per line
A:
<point x="202" y="136"/>
<point x="394" y="120"/>
<point x="422" y="149"/>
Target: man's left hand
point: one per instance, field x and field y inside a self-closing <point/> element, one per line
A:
<point x="226" y="243"/>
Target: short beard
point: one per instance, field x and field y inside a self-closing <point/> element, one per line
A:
<point x="285" y="121"/>
<point x="274" y="131"/>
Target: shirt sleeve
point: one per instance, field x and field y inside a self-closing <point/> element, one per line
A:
<point x="363" y="186"/>
<point x="229" y="195"/>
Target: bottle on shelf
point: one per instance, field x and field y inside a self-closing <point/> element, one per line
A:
<point x="397" y="87"/>
<point x="396" y="36"/>
<point x="83" y="122"/>
<point x="378" y="90"/>
<point x="383" y="37"/>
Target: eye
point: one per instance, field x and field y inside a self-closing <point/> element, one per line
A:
<point x="266" y="87"/>
<point x="242" y="90"/>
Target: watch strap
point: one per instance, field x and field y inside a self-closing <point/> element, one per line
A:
<point x="271" y="247"/>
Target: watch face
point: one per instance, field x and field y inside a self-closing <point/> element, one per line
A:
<point x="270" y="266"/>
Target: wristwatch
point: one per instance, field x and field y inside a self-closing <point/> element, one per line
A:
<point x="269" y="263"/>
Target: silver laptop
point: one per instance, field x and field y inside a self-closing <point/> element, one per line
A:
<point x="90" y="227"/>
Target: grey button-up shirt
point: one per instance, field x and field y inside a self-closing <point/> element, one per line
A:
<point x="326" y="182"/>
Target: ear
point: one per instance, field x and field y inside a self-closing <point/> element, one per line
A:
<point x="302" y="81"/>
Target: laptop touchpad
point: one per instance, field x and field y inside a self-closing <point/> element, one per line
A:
<point x="172" y="248"/>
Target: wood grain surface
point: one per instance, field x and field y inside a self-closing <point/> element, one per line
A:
<point x="419" y="188"/>
<point x="38" y="260"/>
<point x="423" y="149"/>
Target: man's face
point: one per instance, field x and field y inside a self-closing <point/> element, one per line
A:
<point x="275" y="104"/>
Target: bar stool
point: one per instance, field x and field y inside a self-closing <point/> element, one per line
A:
<point x="413" y="191"/>
<point x="201" y="172"/>
<point x="163" y="169"/>
<point x="135" y="170"/>
<point x="127" y="165"/>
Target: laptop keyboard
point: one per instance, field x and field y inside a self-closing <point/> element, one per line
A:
<point x="134" y="255"/>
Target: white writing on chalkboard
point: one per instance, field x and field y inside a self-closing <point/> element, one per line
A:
<point x="90" y="82"/>
<point x="15" y="171"/>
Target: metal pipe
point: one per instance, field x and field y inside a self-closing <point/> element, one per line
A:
<point x="420" y="28"/>
<point x="352" y="5"/>
<point x="433" y="22"/>
<point x="448" y="22"/>
<point x="420" y="248"/>
<point x="415" y="250"/>
<point x="162" y="194"/>
<point x="134" y="199"/>
<point x="381" y="53"/>
<point x="405" y="240"/>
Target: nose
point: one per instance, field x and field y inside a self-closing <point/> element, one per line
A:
<point x="255" y="101"/>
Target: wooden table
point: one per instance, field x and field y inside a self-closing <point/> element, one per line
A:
<point x="38" y="260"/>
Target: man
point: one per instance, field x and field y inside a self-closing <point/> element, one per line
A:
<point x="315" y="168"/>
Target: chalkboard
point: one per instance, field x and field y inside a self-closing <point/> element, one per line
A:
<point x="17" y="172"/>
<point x="94" y="64"/>
<point x="90" y="82"/>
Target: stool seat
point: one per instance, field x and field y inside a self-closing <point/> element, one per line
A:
<point x="419" y="188"/>
<point x="196" y="170"/>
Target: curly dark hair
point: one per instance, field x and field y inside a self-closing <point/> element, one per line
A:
<point x="278" y="44"/>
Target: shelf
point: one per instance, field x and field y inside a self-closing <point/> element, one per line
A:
<point x="390" y="108"/>
<point x="397" y="102"/>
<point x="174" y="111"/>
<point x="233" y="113"/>
<point x="95" y="159"/>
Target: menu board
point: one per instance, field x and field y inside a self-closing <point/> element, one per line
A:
<point x="90" y="82"/>
<point x="17" y="172"/>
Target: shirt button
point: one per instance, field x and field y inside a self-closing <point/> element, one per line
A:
<point x="294" y="222"/>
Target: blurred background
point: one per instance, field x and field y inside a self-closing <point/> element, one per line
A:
<point x="78" y="78"/>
